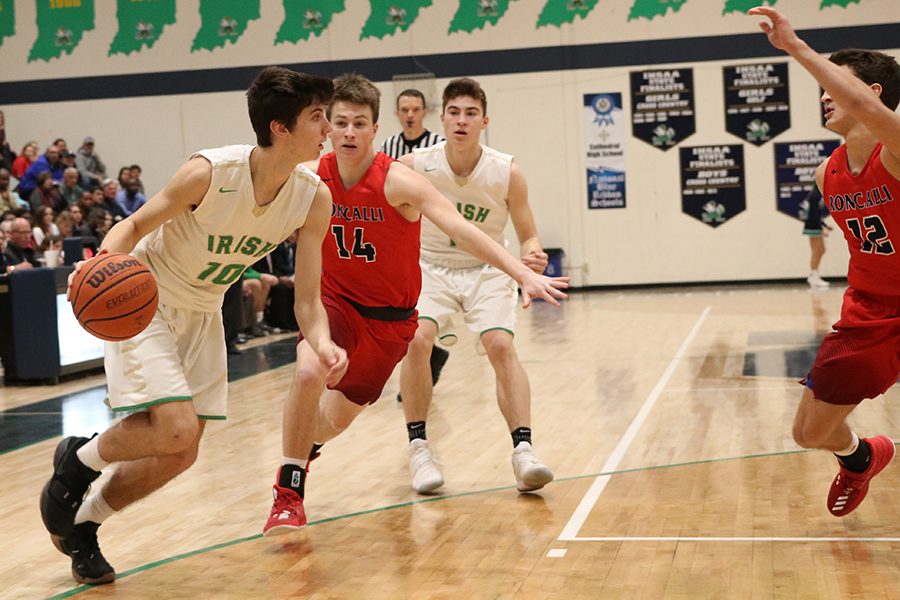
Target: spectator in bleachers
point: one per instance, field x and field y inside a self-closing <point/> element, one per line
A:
<point x="46" y="194"/>
<point x="97" y="198"/>
<point x="19" y="251"/>
<point x="7" y="156"/>
<point x="9" y="200"/>
<point x="130" y="198"/>
<point x="61" y="144"/>
<point x="70" y="190"/>
<point x="136" y="171"/>
<point x="99" y="221"/>
<point x="77" y="212"/>
<point x="64" y="222"/>
<point x="92" y="169"/>
<point x="28" y="155"/>
<point x="110" y="192"/>
<point x="256" y="288"/>
<point x="43" y="225"/>
<point x="51" y="161"/>
<point x="124" y="175"/>
<point x="279" y="267"/>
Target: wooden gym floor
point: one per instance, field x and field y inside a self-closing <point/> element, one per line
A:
<point x="665" y="415"/>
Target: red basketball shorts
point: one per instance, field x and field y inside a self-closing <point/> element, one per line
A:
<point x="373" y="348"/>
<point x="859" y="359"/>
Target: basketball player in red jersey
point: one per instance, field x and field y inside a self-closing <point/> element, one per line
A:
<point x="861" y="189"/>
<point x="370" y="284"/>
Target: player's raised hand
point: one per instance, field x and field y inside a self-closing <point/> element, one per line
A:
<point x="335" y="358"/>
<point x="543" y="287"/>
<point x="778" y="29"/>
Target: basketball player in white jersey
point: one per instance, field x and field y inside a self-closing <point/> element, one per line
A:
<point x="221" y="212"/>
<point x="488" y="189"/>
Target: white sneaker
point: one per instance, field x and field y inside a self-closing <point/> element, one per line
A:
<point x="816" y="282"/>
<point x="531" y="474"/>
<point x="423" y="469"/>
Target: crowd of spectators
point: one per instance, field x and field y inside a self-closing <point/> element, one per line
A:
<point x="47" y="197"/>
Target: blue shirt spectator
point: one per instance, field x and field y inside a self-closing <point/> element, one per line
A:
<point x="50" y="160"/>
<point x="130" y="197"/>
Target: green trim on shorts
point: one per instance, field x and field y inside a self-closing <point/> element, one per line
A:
<point x="813" y="232"/>
<point x="139" y="407"/>
<point x="509" y="331"/>
<point x="212" y="418"/>
<point x="432" y="319"/>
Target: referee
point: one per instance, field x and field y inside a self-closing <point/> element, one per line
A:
<point x="411" y="112"/>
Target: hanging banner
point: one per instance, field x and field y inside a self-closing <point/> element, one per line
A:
<point x="476" y="14"/>
<point x="61" y="25"/>
<point x="303" y="18"/>
<point x="140" y="24"/>
<point x="604" y="134"/>
<point x="662" y="106"/>
<point x="757" y="102"/>
<point x="223" y="21"/>
<point x="390" y="15"/>
<point x="559" y="12"/>
<point x="712" y="183"/>
<point x="653" y="8"/>
<point x="795" y="173"/>
<point x="7" y="19"/>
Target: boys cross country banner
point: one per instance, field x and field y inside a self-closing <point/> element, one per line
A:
<point x="795" y="173"/>
<point x="604" y="134"/>
<point x="662" y="106"/>
<point x="757" y="101"/>
<point x="712" y="183"/>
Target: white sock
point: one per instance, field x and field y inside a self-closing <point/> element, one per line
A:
<point x="89" y="455"/>
<point x="287" y="460"/>
<point x="854" y="444"/>
<point x="813" y="273"/>
<point x="259" y="316"/>
<point x="95" y="509"/>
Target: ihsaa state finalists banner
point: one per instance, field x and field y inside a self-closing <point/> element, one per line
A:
<point x="757" y="101"/>
<point x="662" y="106"/>
<point x="712" y="183"/>
<point x="604" y="134"/>
<point x="795" y="173"/>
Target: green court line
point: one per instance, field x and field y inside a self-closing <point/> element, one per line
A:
<point x="165" y="561"/>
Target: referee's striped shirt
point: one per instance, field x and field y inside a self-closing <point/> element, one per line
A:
<point x="397" y="145"/>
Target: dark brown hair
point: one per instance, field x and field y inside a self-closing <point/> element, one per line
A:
<point x="873" y="67"/>
<point x="465" y="86"/>
<point x="279" y="94"/>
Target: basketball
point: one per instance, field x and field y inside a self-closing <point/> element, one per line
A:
<point x="114" y="297"/>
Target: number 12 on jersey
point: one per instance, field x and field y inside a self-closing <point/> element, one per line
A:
<point x="360" y="248"/>
<point x="875" y="236"/>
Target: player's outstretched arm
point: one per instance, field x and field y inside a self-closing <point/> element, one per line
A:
<point x="852" y="94"/>
<point x="311" y="316"/>
<point x="406" y="187"/>
<point x="533" y="255"/>
<point x="184" y="191"/>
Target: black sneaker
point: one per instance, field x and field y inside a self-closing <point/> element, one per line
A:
<point x="439" y="358"/>
<point x="88" y="563"/>
<point x="64" y="492"/>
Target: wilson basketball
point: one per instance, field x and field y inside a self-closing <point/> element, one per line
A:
<point x="114" y="297"/>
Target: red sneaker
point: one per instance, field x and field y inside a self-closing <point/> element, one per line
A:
<point x="849" y="489"/>
<point x="287" y="512"/>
